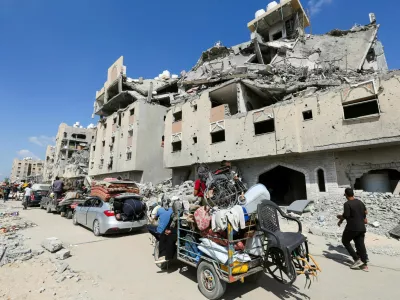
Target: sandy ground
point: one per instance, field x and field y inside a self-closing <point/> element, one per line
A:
<point x="121" y="267"/>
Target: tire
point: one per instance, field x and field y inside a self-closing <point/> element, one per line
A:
<point x="208" y="281"/>
<point x="96" y="228"/>
<point x="277" y="268"/>
<point x="74" y="220"/>
<point x="162" y="266"/>
<point x="69" y="214"/>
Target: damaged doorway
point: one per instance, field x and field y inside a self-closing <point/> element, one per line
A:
<point x="285" y="185"/>
<point x="379" y="181"/>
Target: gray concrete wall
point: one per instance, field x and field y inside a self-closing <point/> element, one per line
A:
<point x="351" y="165"/>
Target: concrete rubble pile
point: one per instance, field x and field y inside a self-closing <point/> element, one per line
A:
<point x="383" y="213"/>
<point x="78" y="164"/>
<point x="279" y="69"/>
<point x="153" y="193"/>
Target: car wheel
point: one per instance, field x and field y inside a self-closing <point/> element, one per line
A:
<point x="209" y="283"/>
<point x="48" y="209"/>
<point x="74" y="219"/>
<point x="96" y="228"/>
<point x="69" y="214"/>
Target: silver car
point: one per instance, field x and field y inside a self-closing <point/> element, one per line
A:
<point x="97" y="215"/>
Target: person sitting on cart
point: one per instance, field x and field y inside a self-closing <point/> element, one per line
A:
<point x="200" y="185"/>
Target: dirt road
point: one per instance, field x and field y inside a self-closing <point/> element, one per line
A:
<point x="121" y="267"/>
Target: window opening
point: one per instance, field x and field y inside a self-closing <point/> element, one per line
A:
<point x="217" y="137"/>
<point x="321" y="180"/>
<point x="177" y="116"/>
<point x="263" y="127"/>
<point x="176" y="146"/>
<point x="307" y="115"/>
<point x="361" y="109"/>
<point x="195" y="140"/>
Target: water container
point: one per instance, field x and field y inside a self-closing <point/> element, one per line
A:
<point x="254" y="196"/>
<point x="259" y="12"/>
<point x="271" y="5"/>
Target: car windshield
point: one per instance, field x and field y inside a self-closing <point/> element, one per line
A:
<point x="41" y="187"/>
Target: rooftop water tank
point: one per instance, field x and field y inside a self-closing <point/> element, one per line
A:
<point x="259" y="12"/>
<point x="271" y="5"/>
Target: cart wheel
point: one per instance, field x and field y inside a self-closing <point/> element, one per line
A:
<point x="162" y="266"/>
<point x="69" y="214"/>
<point x="210" y="285"/>
<point x="277" y="267"/>
<point x="74" y="219"/>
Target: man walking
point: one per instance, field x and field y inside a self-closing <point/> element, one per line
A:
<point x="28" y="192"/>
<point x="355" y="214"/>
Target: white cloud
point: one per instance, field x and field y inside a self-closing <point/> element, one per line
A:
<point x="27" y="153"/>
<point x="316" y="5"/>
<point x="42" y="140"/>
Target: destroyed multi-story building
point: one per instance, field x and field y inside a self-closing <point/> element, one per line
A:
<point x="305" y="115"/>
<point x="71" y="142"/>
<point x="129" y="135"/>
<point x="26" y="169"/>
<point x="49" y="163"/>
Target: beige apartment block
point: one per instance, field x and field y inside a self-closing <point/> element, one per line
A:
<point x="24" y="169"/>
<point x="69" y="140"/>
<point x="129" y="135"/>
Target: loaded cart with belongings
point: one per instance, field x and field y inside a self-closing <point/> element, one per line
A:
<point x="237" y="236"/>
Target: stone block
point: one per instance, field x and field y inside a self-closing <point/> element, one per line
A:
<point x="52" y="244"/>
<point x="63" y="254"/>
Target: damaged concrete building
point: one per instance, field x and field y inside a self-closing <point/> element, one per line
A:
<point x="67" y="156"/>
<point x="305" y="115"/>
<point x="129" y="135"/>
<point x="26" y="169"/>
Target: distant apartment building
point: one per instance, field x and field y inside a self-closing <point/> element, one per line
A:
<point x="129" y="136"/>
<point x="305" y="115"/>
<point x="25" y="169"/>
<point x="69" y="140"/>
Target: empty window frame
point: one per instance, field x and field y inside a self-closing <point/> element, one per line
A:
<point x="195" y="140"/>
<point x="264" y="127"/>
<point x="307" y="115"/>
<point x="104" y="143"/>
<point x="177" y="116"/>
<point x="130" y="133"/>
<point x="321" y="180"/>
<point x="113" y="139"/>
<point x="132" y="111"/>
<point x="217" y="137"/>
<point x="115" y="121"/>
<point x="128" y="155"/>
<point x="176" y="146"/>
<point x="361" y="109"/>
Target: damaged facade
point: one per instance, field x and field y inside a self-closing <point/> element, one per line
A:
<point x="129" y="136"/>
<point x="69" y="157"/>
<point x="305" y="115"/>
<point x="25" y="169"/>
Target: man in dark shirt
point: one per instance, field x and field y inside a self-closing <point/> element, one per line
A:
<point x="355" y="214"/>
<point x="58" y="187"/>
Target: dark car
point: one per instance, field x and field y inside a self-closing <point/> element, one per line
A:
<point x="38" y="192"/>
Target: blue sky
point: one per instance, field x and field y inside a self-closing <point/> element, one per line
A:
<point x="54" y="55"/>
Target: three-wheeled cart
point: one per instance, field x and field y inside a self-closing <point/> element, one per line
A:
<point x="218" y="265"/>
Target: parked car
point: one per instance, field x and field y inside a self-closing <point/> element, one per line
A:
<point x="99" y="216"/>
<point x="39" y="190"/>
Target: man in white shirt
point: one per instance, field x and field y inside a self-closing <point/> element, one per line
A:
<point x="28" y="192"/>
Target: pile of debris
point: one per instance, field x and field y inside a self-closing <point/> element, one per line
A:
<point x="11" y="222"/>
<point x="383" y="213"/>
<point x="78" y="164"/>
<point x="153" y="193"/>
<point x="12" y="249"/>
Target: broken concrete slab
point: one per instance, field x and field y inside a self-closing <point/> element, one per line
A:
<point x="62" y="267"/>
<point x="63" y="254"/>
<point x="52" y="244"/>
<point x="298" y="206"/>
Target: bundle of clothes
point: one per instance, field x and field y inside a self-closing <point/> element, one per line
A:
<point x="107" y="189"/>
